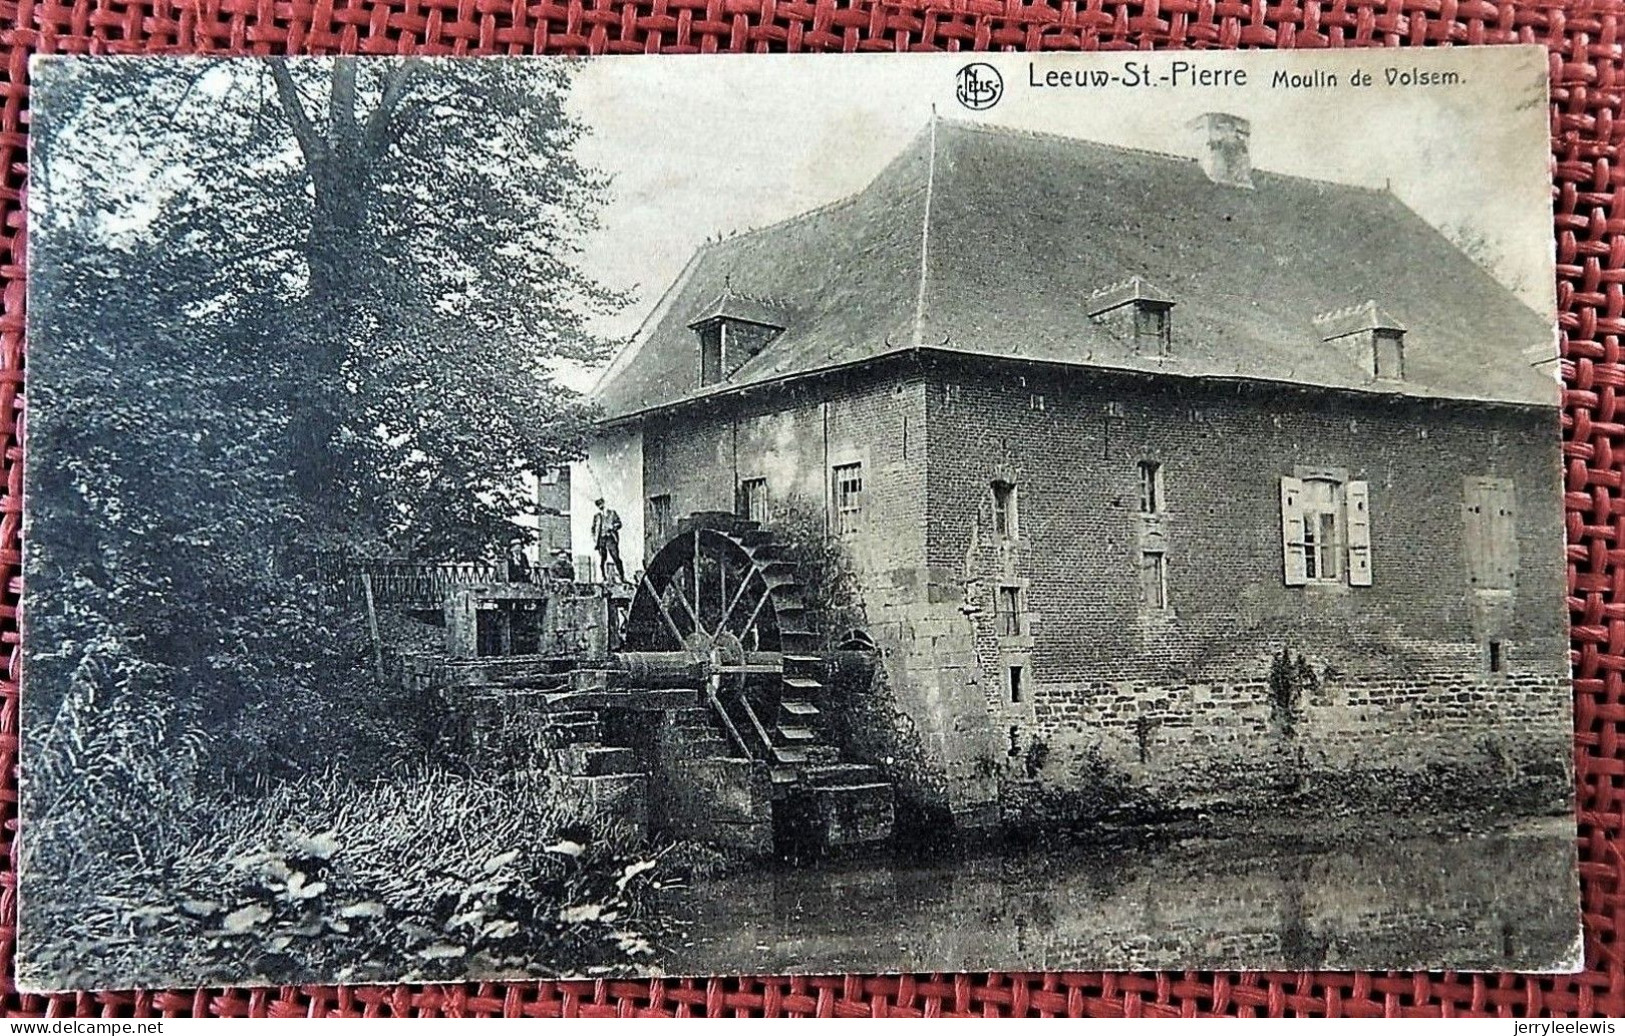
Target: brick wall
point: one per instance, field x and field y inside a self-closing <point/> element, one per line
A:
<point x="1223" y="450"/>
<point x="1172" y="694"/>
<point x="793" y="437"/>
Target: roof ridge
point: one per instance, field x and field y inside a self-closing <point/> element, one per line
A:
<point x="1031" y="134"/>
<point x="1016" y="131"/>
<point x="1546" y="316"/>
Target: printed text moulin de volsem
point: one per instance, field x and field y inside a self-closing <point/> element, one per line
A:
<point x="1192" y="73"/>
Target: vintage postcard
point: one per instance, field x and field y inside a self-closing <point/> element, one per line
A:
<point x="763" y="514"/>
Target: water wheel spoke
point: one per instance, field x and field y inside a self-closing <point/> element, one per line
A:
<point x="695" y="611"/>
<point x="665" y="613"/>
<point x="722" y="596"/>
<point x="681" y="593"/>
<point x="727" y="612"/>
<point x="755" y="613"/>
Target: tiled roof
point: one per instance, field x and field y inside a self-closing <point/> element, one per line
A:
<point x="1135" y="289"/>
<point x="1020" y="232"/>
<point x="1367" y="316"/>
<point x="733" y="305"/>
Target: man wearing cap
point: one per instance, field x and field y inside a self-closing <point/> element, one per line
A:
<point x="606" y="537"/>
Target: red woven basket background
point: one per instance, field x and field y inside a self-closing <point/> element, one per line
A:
<point x="1586" y="67"/>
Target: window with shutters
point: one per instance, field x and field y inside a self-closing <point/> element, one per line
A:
<point x="489" y="631"/>
<point x="659" y="522"/>
<point x="1325" y="531"/>
<point x="711" y="349"/>
<point x="1153" y="327"/>
<point x="1388" y="353"/>
<point x="1322" y="533"/>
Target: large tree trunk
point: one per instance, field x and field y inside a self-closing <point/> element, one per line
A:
<point x="343" y="269"/>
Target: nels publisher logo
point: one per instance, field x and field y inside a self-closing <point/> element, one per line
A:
<point x="979" y="86"/>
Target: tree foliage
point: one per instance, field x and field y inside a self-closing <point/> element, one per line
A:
<point x="277" y="310"/>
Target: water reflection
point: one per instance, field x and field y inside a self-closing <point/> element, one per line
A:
<point x="1493" y="902"/>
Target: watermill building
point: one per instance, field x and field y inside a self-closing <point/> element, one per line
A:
<point x="1133" y="460"/>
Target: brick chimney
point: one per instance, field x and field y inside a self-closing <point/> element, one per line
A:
<point x="1221" y="141"/>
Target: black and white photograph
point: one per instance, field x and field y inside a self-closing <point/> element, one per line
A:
<point x="767" y="514"/>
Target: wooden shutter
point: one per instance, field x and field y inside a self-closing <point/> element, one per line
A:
<point x="1474" y="492"/>
<point x="1503" y="535"/>
<point x="1357" y="519"/>
<point x="1294" y="569"/>
<point x="1490" y="532"/>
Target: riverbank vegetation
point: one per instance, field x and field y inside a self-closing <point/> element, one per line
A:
<point x="424" y="876"/>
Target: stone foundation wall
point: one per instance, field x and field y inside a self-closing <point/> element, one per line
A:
<point x="926" y="720"/>
<point x="1227" y="740"/>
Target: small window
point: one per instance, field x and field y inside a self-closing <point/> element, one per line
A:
<point x="1154" y="580"/>
<point x="660" y="518"/>
<point x="1153" y="328"/>
<point x="1150" y="487"/>
<point x="753" y="499"/>
<point x="711" y="354"/>
<point x="1008" y="609"/>
<point x="1035" y="401"/>
<point x="847" y="482"/>
<point x="1017" y="691"/>
<point x="1004" y="510"/>
<point x="1388" y="359"/>
<point x="1496" y="658"/>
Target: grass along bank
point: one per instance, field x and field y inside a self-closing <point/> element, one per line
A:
<point x="425" y="876"/>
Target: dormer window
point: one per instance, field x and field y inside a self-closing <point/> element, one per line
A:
<point x="1370" y="336"/>
<point x="1137" y="311"/>
<point x="1388" y="353"/>
<point x="711" y="340"/>
<point x="1153" y="327"/>
<point x="731" y="330"/>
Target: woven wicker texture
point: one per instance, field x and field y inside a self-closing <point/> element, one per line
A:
<point x="1586" y="64"/>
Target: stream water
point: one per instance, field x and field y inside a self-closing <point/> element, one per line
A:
<point x="1357" y="900"/>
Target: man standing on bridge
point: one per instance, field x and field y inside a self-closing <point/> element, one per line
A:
<point x="606" y="537"/>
